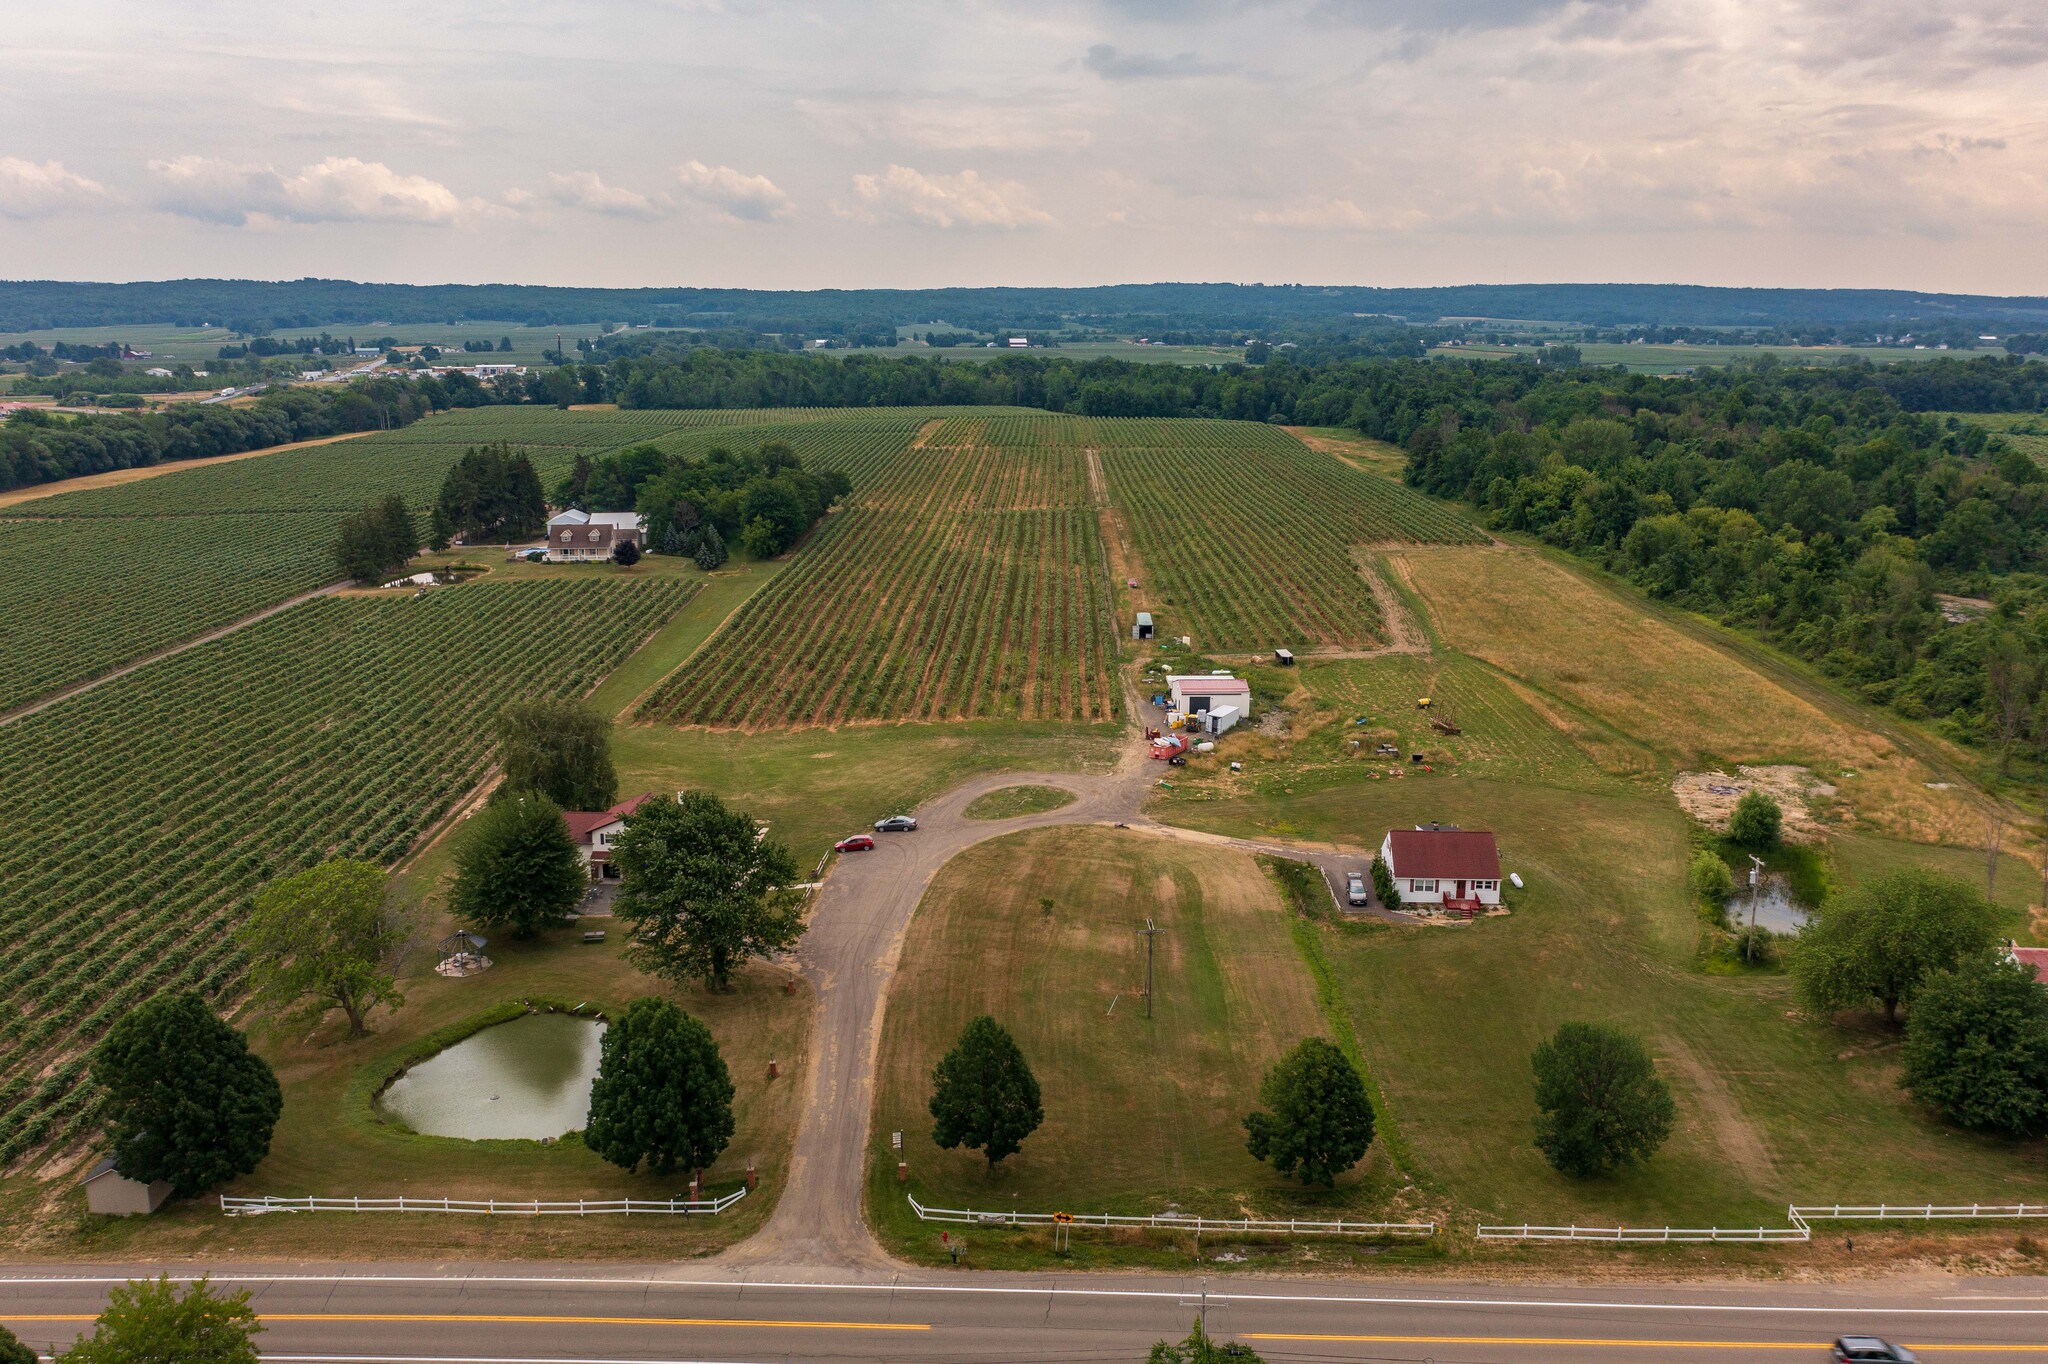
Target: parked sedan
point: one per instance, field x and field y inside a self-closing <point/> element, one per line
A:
<point x="1354" y="890"/>
<point x="1871" y="1350"/>
<point x="896" y="824"/>
<point x="858" y="843"/>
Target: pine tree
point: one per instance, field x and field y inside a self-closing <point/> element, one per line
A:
<point x="984" y="1096"/>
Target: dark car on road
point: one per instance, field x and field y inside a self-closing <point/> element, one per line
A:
<point x="896" y="824"/>
<point x="1871" y="1350"/>
<point x="858" y="843"/>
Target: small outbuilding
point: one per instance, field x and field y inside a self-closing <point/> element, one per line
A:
<point x="1284" y="657"/>
<point x="112" y="1194"/>
<point x="1195" y="693"/>
<point x="1448" y="868"/>
<point x="1143" y="628"/>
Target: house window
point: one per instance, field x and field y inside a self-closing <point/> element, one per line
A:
<point x="593" y="537"/>
<point x="1422" y="887"/>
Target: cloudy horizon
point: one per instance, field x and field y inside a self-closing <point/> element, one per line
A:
<point x="1810" y="143"/>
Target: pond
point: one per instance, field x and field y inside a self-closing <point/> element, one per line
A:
<point x="526" y="1080"/>
<point x="1775" y="907"/>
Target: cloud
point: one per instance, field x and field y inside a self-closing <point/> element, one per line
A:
<point x="587" y="191"/>
<point x="946" y="201"/>
<point x="734" y="194"/>
<point x="340" y="189"/>
<point x="30" y="189"/>
<point x="951" y="125"/>
<point x="1338" y="215"/>
<point x="1453" y="16"/>
<point x="1112" y="65"/>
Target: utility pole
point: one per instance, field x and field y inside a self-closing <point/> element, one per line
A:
<point x="1148" y="933"/>
<point x="1756" y="869"/>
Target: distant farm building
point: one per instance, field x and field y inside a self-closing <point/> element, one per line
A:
<point x="1143" y="628"/>
<point x="1211" y="701"/>
<point x="1454" y="869"/>
<point x="1017" y="342"/>
<point x="581" y="536"/>
<point x="112" y="1194"/>
<point x="594" y="832"/>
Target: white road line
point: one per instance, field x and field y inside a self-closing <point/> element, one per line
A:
<point x="1236" y="1295"/>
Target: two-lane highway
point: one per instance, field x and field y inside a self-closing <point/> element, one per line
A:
<point x="510" y="1315"/>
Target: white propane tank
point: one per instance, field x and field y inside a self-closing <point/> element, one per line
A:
<point x="1515" y="879"/>
<point x="1205" y="747"/>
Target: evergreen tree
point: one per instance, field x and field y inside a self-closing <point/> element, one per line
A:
<point x="493" y="493"/>
<point x="376" y="542"/>
<point x="1977" y="1046"/>
<point x="625" y="554"/>
<point x="1600" y="1102"/>
<point x="662" y="1092"/>
<point x="440" y="530"/>
<point x="1317" y="1120"/>
<point x="562" y="749"/>
<point x="1383" y="883"/>
<point x="710" y="551"/>
<point x="517" y="867"/>
<point x="1880" y="941"/>
<point x="702" y="890"/>
<point x="186" y="1100"/>
<point x="984" y="1096"/>
<point x="150" y="1322"/>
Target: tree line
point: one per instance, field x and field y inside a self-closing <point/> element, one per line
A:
<point x="36" y="447"/>
<point x="764" y="500"/>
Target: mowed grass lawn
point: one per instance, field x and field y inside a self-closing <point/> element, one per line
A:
<point x="1772" y="1108"/>
<point x="330" y="1143"/>
<point x="1139" y="1114"/>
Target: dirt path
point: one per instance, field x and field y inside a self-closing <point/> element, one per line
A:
<point x="83" y="687"/>
<point x="1739" y="1141"/>
<point x="114" y="478"/>
<point x="926" y="432"/>
<point x="849" y="955"/>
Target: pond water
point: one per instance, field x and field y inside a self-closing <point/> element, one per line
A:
<point x="526" y="1079"/>
<point x="1775" y="907"/>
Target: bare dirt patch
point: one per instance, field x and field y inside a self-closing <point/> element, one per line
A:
<point x="926" y="432"/>
<point x="1710" y="797"/>
<point x="1737" y="1137"/>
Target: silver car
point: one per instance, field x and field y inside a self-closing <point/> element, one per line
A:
<point x="896" y="824"/>
<point x="1354" y="890"/>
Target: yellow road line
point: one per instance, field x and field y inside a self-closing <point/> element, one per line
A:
<point x="1626" y="1344"/>
<point x="470" y="1319"/>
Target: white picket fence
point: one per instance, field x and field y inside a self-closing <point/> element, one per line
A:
<point x="1169" y="1221"/>
<point x="1801" y="1216"/>
<point x="489" y="1207"/>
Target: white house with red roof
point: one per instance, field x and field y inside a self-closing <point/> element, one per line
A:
<point x="2036" y="957"/>
<point x="594" y="832"/>
<point x="1448" y="868"/>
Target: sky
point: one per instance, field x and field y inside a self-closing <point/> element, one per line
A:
<point x="849" y="144"/>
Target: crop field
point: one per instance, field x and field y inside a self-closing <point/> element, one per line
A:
<point x="1247" y="534"/>
<point x="93" y="579"/>
<point x="1644" y="696"/>
<point x="144" y="813"/>
<point x="2026" y="432"/>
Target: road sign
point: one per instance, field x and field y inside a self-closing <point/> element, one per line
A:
<point x="1063" y="1218"/>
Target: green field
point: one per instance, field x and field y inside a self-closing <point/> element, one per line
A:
<point x="2026" y="432"/>
<point x="145" y="811"/>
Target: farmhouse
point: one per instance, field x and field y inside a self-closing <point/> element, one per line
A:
<point x="1457" y="869"/>
<point x="2036" y="957"/>
<point x="581" y="536"/>
<point x="596" y="830"/>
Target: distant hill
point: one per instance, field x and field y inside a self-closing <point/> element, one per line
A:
<point x="31" y="305"/>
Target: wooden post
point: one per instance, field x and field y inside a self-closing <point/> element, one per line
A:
<point x="774" y="1069"/>
<point x="750" y="1176"/>
<point x="902" y="1172"/>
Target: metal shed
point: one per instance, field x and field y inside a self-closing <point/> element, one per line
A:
<point x="1143" y="629"/>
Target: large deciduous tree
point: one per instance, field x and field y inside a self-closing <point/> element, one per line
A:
<point x="562" y="749"/>
<point x="984" y="1096"/>
<point x="517" y="867"/>
<point x="1977" y="1046"/>
<point x="662" y="1093"/>
<point x="12" y="1351"/>
<point x="1879" y="942"/>
<point x="1317" y="1120"/>
<point x="1600" y="1103"/>
<point x="702" y="890"/>
<point x="327" y="938"/>
<point x="148" y="1321"/>
<point x="186" y="1100"/>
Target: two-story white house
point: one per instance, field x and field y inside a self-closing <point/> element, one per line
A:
<point x="594" y="832"/>
<point x="1453" y="869"/>
<point x="576" y="537"/>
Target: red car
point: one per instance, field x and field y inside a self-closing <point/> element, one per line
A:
<point x="858" y="843"/>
